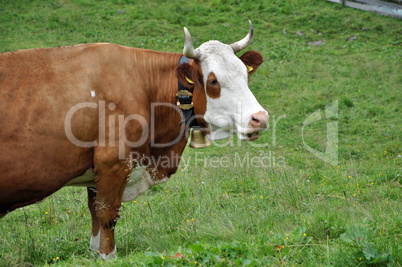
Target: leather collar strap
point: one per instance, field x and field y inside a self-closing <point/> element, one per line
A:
<point x="185" y="99"/>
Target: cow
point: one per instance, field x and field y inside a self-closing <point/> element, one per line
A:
<point x="101" y="116"/>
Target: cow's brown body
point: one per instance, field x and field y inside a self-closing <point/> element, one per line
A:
<point x="38" y="88"/>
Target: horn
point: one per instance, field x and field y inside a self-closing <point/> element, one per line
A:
<point x="188" y="50"/>
<point x="243" y="43"/>
<point x="198" y="139"/>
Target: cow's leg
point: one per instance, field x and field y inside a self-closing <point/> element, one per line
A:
<point x="95" y="235"/>
<point x="110" y="184"/>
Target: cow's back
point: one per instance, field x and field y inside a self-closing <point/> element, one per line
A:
<point x="37" y="89"/>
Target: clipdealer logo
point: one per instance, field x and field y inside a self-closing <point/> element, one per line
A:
<point x="266" y="159"/>
<point x="331" y="151"/>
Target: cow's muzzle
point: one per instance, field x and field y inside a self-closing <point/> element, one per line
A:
<point x="258" y="122"/>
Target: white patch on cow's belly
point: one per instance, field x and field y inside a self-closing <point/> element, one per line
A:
<point x="87" y="179"/>
<point x="138" y="182"/>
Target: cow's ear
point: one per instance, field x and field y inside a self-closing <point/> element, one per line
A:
<point x="252" y="60"/>
<point x="187" y="75"/>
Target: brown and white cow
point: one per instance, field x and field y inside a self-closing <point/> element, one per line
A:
<point x="102" y="115"/>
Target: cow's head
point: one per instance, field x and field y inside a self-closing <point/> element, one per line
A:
<point x="222" y="99"/>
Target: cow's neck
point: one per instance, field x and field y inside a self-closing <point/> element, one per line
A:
<point x="157" y="71"/>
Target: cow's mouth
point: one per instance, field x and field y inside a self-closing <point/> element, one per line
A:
<point x="252" y="136"/>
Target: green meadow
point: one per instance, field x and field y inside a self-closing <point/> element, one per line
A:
<point x="321" y="187"/>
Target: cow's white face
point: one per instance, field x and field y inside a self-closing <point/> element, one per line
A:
<point x="220" y="83"/>
<point x="230" y="103"/>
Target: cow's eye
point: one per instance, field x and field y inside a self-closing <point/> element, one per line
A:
<point x="214" y="82"/>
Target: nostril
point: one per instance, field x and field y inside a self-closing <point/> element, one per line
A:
<point x="255" y="120"/>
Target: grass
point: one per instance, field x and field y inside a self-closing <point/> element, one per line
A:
<point x="224" y="206"/>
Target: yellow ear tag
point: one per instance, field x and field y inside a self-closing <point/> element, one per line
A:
<point x="188" y="79"/>
<point x="249" y="68"/>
